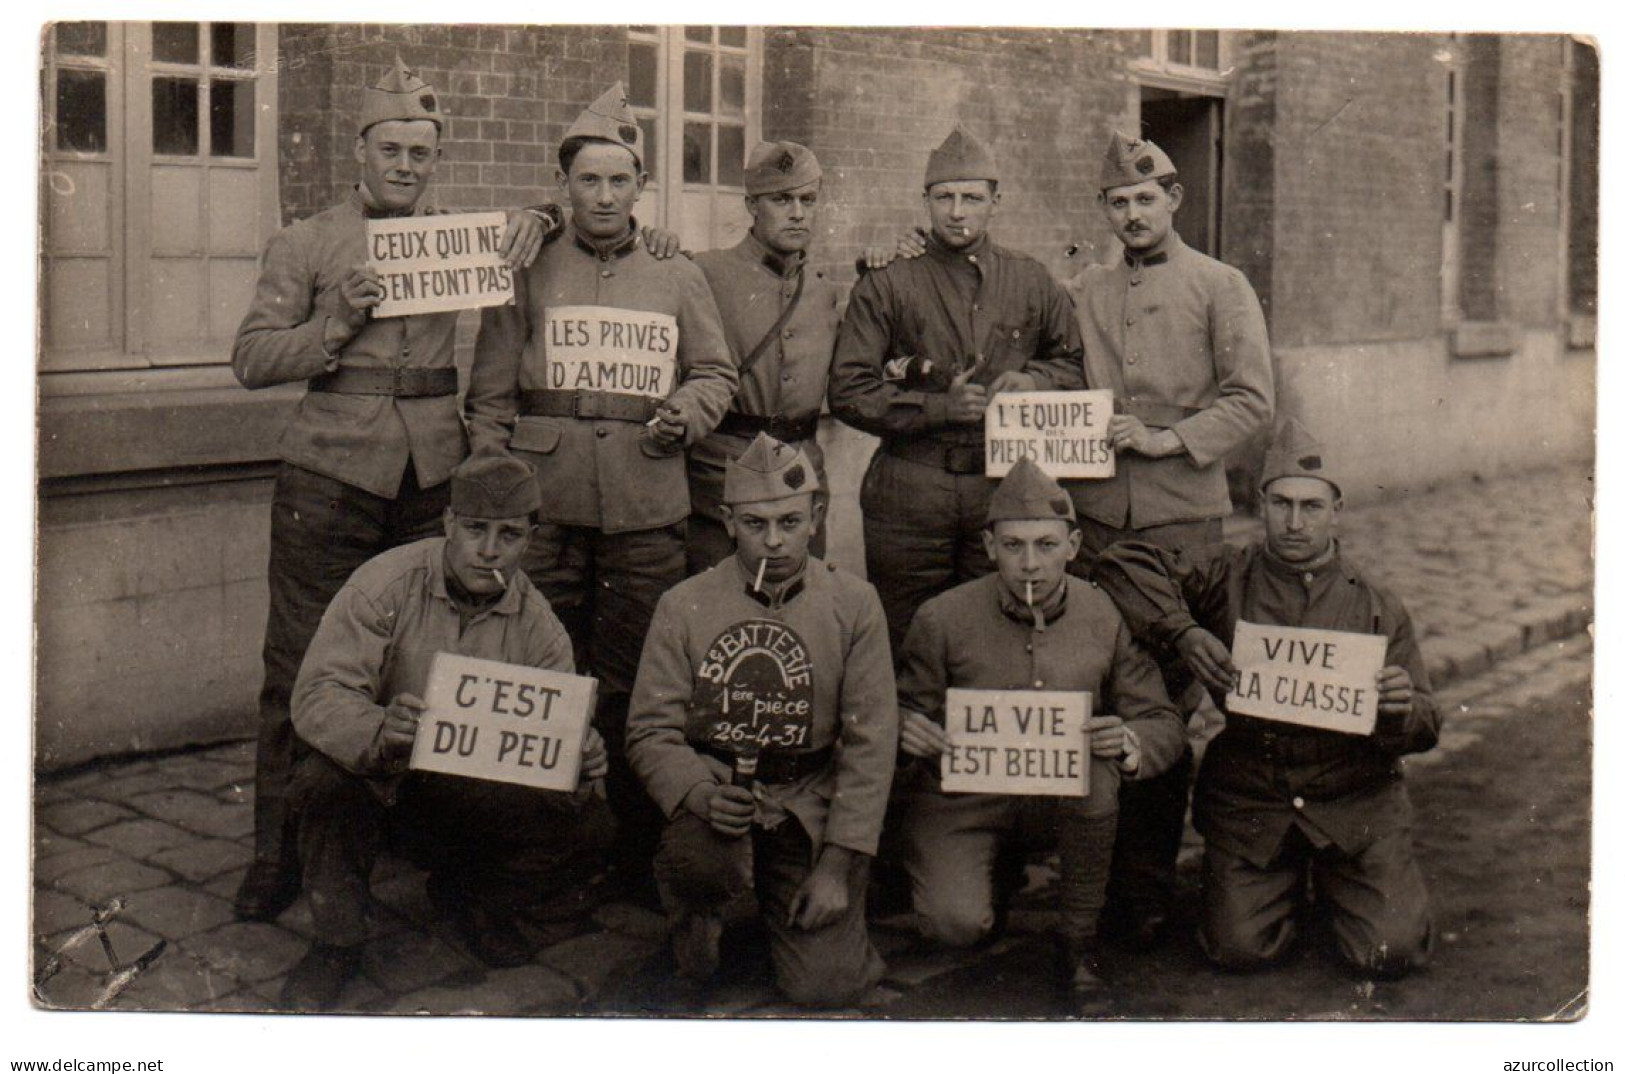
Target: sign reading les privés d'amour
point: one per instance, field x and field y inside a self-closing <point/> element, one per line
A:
<point x="432" y="264"/>
<point x="1316" y="678"/>
<point x="604" y="349"/>
<point x="1063" y="432"/>
<point x="1017" y="742"/>
<point x="504" y="722"/>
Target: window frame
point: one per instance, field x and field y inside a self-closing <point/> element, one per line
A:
<point x="1158" y="71"/>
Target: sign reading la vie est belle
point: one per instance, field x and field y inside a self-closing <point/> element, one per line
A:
<point x="1315" y="678"/>
<point x="1063" y="432"/>
<point x="504" y="722"/>
<point x="1017" y="742"/>
<point x="432" y="264"/>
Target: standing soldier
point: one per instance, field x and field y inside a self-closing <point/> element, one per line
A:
<point x="371" y="444"/>
<point x="1179" y="338"/>
<point x="607" y="365"/>
<point x="924" y="343"/>
<point x="765" y="725"/>
<point x="781" y="317"/>
<point x="1030" y="626"/>
<point x="1278" y="803"/>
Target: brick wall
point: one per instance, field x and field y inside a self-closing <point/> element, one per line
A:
<point x="1582" y="192"/>
<point x="1359" y="144"/>
<point x="873" y="103"/>
<point x="1530" y="152"/>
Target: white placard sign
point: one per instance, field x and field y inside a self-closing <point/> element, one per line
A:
<point x="432" y="264"/>
<point x="604" y="349"/>
<point x="1316" y="678"/>
<point x="1063" y="432"/>
<point x="504" y="722"/>
<point x="1017" y="742"/>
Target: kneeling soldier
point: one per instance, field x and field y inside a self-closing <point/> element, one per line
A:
<point x="1030" y="626"/>
<point x="764" y="724"/>
<point x="492" y="849"/>
<point x="1278" y="802"/>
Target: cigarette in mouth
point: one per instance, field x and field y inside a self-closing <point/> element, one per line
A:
<point x="503" y="582"/>
<point x="761" y="569"/>
<point x="1029" y="593"/>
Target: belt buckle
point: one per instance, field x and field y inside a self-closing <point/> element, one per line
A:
<point x="397" y="381"/>
<point x="581" y="405"/>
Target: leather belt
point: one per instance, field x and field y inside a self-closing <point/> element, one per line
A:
<point x="1156" y="415"/>
<point x="778" y="426"/>
<point x="400" y="383"/>
<point x="954" y="458"/>
<point x="611" y="406"/>
<point x="772" y="767"/>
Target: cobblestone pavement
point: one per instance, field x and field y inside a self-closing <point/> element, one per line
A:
<point x="1497" y="576"/>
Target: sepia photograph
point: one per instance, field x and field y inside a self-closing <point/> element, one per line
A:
<point x="839" y="522"/>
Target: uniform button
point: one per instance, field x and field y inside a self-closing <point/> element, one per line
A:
<point x="1297" y="803"/>
<point x="1038" y="684"/>
<point x="979" y="356"/>
<point x="602" y="431"/>
<point x="1128" y="320"/>
<point x="971" y="259"/>
<point x="787" y="378"/>
<point x="1029" y="648"/>
<point x="1132" y="359"/>
<point x="606" y="274"/>
<point x="976" y="307"/>
<point x="789" y="333"/>
<point x="1134" y="281"/>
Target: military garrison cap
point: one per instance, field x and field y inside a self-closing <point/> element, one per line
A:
<point x="1295" y="453"/>
<point x="1133" y="160"/>
<point x="768" y="470"/>
<point x="401" y="95"/>
<point x="609" y="119"/>
<point x="960" y="156"/>
<point x="777" y="166"/>
<point x="494" y="486"/>
<point x="1027" y="493"/>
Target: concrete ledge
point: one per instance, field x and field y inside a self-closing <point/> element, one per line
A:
<point x="1452" y="659"/>
<point x="1581" y="332"/>
<point x="1484" y="339"/>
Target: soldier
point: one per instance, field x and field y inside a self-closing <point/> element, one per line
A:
<point x="1277" y="802"/>
<point x="923" y="345"/>
<point x="781" y="317"/>
<point x="764" y="724"/>
<point x="492" y="849"/>
<point x="1029" y="626"/>
<point x="605" y="368"/>
<point x="1179" y="338"/>
<point x="366" y="456"/>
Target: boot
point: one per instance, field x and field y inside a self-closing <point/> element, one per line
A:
<point x="1086" y="857"/>
<point x="268" y="888"/>
<point x="316" y="980"/>
<point x="696" y="943"/>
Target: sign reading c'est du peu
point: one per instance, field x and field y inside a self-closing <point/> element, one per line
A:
<point x="1315" y="678"/>
<point x="504" y="722"/>
<point x="433" y="264"/>
<point x="1063" y="432"/>
<point x="1017" y="742"/>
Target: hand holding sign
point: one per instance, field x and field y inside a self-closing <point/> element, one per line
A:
<point x="1206" y="656"/>
<point x="1128" y="433"/>
<point x="1012" y="380"/>
<point x="594" y="756"/>
<point x="920" y="737"/>
<point x="1108" y="737"/>
<point x="362" y="289"/>
<point x="400" y="726"/>
<point x="1394" y="692"/>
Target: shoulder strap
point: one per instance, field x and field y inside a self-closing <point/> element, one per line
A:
<point x="760" y="349"/>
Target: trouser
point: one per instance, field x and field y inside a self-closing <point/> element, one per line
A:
<point x="701" y="870"/>
<point x="1151" y="816"/>
<point x="498" y="844"/>
<point x="708" y="542"/>
<point x="951" y="845"/>
<point x="604" y="588"/>
<point x="321" y="530"/>
<point x="1377" y="902"/>
<point x="922" y="534"/>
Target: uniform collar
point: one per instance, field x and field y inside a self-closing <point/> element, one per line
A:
<point x="772" y="595"/>
<point x="978" y="249"/>
<point x="1334" y="565"/>
<point x="619" y="247"/>
<point x="782" y="265"/>
<point x="509" y="604"/>
<point x="1171" y="248"/>
<point x="1015" y="606"/>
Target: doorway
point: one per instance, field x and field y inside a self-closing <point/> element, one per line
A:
<point x="1190" y="129"/>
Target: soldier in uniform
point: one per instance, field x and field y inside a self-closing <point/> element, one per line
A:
<point x="764" y="724"/>
<point x="366" y="456"/>
<point x="1029" y="626"/>
<point x="781" y="316"/>
<point x="923" y="345"/>
<point x="1278" y="803"/>
<point x="608" y="364"/>
<point x="1179" y="338"/>
<point x="493" y="850"/>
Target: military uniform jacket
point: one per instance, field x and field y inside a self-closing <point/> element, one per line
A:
<point x="709" y="628"/>
<point x="599" y="472"/>
<point x="985" y="307"/>
<point x="753" y="286"/>
<point x="376" y="641"/>
<point x="1179" y="339"/>
<point x="1262" y="777"/>
<point x="362" y="440"/>
<point x="973" y="637"/>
